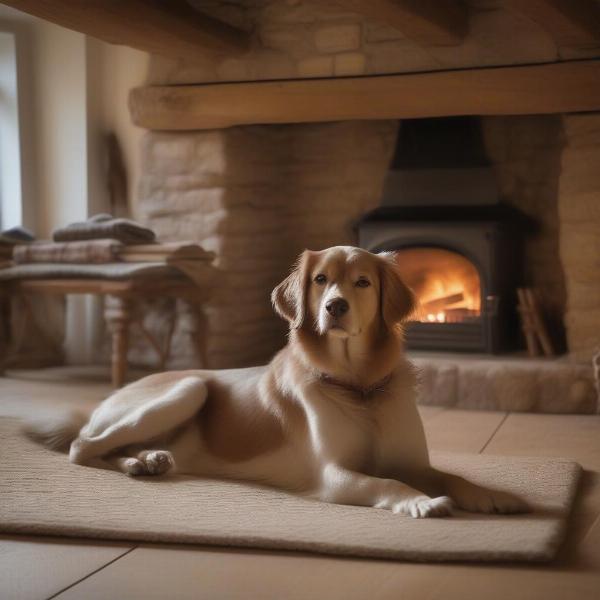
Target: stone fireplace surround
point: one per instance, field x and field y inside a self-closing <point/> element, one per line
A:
<point x="258" y="195"/>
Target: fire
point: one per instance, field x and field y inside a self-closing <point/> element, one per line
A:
<point x="447" y="284"/>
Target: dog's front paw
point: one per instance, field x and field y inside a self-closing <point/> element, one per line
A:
<point x="158" y="462"/>
<point x="482" y="500"/>
<point x="421" y="507"/>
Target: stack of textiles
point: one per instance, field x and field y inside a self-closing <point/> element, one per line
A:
<point x="79" y="252"/>
<point x="8" y="240"/>
<point x="105" y="226"/>
<point x="108" y="247"/>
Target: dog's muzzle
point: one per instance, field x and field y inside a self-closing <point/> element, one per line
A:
<point x="337" y="307"/>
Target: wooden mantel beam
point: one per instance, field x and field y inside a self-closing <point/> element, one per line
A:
<point x="532" y="89"/>
<point x="570" y="22"/>
<point x="426" y="22"/>
<point x="167" y="27"/>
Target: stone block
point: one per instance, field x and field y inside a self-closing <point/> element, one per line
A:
<point x="584" y="288"/>
<point x="315" y="66"/>
<point x="289" y="14"/>
<point x="233" y="69"/>
<point x="437" y="384"/>
<point x="581" y="206"/>
<point x="566" y="390"/>
<point x="398" y="56"/>
<point x="514" y="389"/>
<point x="510" y="383"/>
<point x="338" y="38"/>
<point x="271" y="65"/>
<point x="584" y="325"/>
<point x="377" y="32"/>
<point x="582" y="130"/>
<point x="349" y="63"/>
<point x="291" y="39"/>
<point x="473" y="389"/>
<point x="580" y="248"/>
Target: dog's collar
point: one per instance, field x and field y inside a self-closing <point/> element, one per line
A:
<point x="378" y="386"/>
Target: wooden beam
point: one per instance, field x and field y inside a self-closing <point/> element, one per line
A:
<point x="169" y="28"/>
<point x="550" y="88"/>
<point x="570" y="22"/>
<point x="427" y="22"/>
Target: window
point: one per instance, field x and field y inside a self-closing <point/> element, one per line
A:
<point x="11" y="204"/>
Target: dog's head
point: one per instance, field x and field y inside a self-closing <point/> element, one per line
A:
<point x="343" y="292"/>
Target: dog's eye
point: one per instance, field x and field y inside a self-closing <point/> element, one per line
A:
<point x="363" y="283"/>
<point x="320" y="279"/>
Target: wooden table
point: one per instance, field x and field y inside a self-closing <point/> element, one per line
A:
<point x="120" y="296"/>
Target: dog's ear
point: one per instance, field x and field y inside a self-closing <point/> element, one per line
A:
<point x="289" y="297"/>
<point x="397" y="299"/>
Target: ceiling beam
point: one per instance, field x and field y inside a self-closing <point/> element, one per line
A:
<point x="534" y="89"/>
<point x="169" y="28"/>
<point x="570" y="22"/>
<point x="427" y="22"/>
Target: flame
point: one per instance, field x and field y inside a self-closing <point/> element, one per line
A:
<point x="446" y="283"/>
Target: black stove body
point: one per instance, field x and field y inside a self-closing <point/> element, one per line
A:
<point x="489" y="238"/>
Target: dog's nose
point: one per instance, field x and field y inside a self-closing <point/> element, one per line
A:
<point x="337" y="307"/>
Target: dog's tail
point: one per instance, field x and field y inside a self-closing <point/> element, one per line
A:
<point x="55" y="430"/>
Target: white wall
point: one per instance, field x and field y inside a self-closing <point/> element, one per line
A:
<point x="61" y="126"/>
<point x="112" y="72"/>
<point x="11" y="213"/>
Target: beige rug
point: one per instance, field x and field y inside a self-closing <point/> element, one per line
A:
<point x="41" y="493"/>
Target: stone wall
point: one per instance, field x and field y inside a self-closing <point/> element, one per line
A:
<point x="547" y="166"/>
<point x="303" y="38"/>
<point x="258" y="196"/>
<point x="526" y="152"/>
<point x="579" y="210"/>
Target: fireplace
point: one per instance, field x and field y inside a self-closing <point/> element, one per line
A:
<point x="257" y="182"/>
<point x="458" y="247"/>
<point x="464" y="266"/>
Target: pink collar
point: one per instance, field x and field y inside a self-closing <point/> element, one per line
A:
<point x="378" y="386"/>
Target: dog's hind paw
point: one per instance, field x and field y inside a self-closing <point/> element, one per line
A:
<point x="134" y="467"/>
<point x="158" y="462"/>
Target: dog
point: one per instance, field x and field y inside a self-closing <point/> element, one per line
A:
<point x="333" y="416"/>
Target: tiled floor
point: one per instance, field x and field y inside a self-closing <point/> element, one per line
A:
<point x="62" y="568"/>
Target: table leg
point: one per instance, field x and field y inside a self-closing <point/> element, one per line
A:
<point x="5" y="327"/>
<point x="193" y="322"/>
<point x="117" y="313"/>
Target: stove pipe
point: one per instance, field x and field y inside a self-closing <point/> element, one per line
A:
<point x="440" y="162"/>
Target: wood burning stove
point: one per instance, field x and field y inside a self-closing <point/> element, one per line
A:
<point x="463" y="264"/>
<point x="457" y="245"/>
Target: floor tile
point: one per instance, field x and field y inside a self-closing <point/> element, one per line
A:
<point x="38" y="568"/>
<point x="149" y="573"/>
<point x="461" y="430"/>
<point x="564" y="436"/>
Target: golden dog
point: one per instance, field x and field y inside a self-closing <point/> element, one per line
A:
<point x="333" y="416"/>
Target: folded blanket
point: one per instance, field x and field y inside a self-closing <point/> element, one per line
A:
<point x="166" y="251"/>
<point x="15" y="235"/>
<point x="82" y="252"/>
<point x="105" y="226"/>
<point x="76" y="271"/>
